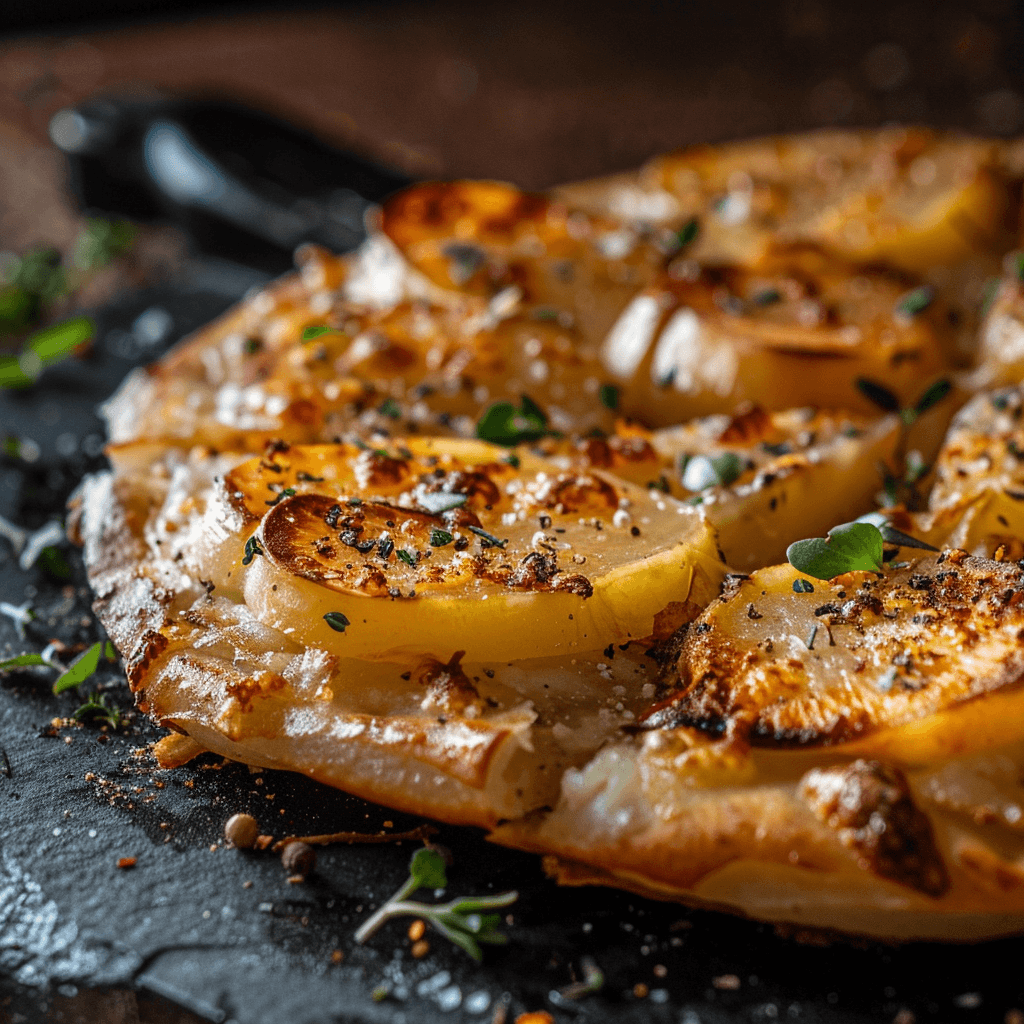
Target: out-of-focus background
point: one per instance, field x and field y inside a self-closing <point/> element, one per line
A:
<point x="535" y="92"/>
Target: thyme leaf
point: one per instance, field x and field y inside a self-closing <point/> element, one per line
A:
<point x="336" y="621"/>
<point x="504" y="424"/>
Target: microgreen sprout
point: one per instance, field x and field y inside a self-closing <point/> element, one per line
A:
<point x="899" y="486"/>
<point x="337" y="621"/>
<point x="591" y="982"/>
<point x="463" y="921"/>
<point x="96" y="706"/>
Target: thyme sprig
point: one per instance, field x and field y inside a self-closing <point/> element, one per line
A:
<point x="463" y="921"/>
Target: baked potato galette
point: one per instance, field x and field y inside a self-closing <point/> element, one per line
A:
<point x="489" y="520"/>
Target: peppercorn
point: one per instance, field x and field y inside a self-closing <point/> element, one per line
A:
<point x="298" y="858"/>
<point x="241" y="831"/>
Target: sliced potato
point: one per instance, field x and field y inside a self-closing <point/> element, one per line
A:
<point x="977" y="500"/>
<point x="762" y="479"/>
<point x="1001" y="338"/>
<point x="891" y="666"/>
<point x="479" y="238"/>
<point x="798" y="331"/>
<point x="910" y="197"/>
<point x="252" y="377"/>
<point x="435" y="546"/>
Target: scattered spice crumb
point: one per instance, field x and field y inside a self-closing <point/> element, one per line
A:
<point x="640" y="990"/>
<point x="535" y="1017"/>
<point x="213" y="847"/>
<point x="416" y="930"/>
<point x="241" y="831"/>
<point x="337" y="956"/>
<point x="423" y="832"/>
<point x="126" y="862"/>
<point x="296" y="879"/>
<point x="262" y="842"/>
<point x="247" y="885"/>
<point x="420" y="949"/>
<point x="660" y="971"/>
<point x="726" y="982"/>
<point x="388" y="824"/>
<point x="298" y="858"/>
<point x="904" y="1016"/>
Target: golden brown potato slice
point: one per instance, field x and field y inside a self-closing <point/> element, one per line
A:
<point x="762" y="479"/>
<point x="432" y="546"/>
<point x="823" y="758"/>
<point x="977" y="500"/>
<point x="252" y="376"/>
<point x="913" y="197"/>
<point x="1000" y="353"/>
<point x="480" y="238"/>
<point x="463" y="742"/>
<point x="800" y="330"/>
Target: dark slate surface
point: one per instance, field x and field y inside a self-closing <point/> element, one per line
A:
<point x="185" y="923"/>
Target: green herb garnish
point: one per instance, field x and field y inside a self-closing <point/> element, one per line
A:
<point x="82" y="668"/>
<point x="878" y="395"/>
<point x="390" y="408"/>
<point x="931" y="396"/>
<point x="463" y="921"/>
<point x="688" y="232"/>
<point x="440" y="538"/>
<point x="915" y="302"/>
<point x="287" y="492"/>
<point x="767" y="297"/>
<point x="406" y="557"/>
<point x="336" y="621"/>
<point x="803" y="587"/>
<point x="609" y="395"/>
<point x="312" y="333"/>
<point x="703" y="471"/>
<point x="488" y="540"/>
<point x="506" y="425"/>
<point x="850" y="547"/>
<point x="252" y="548"/>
